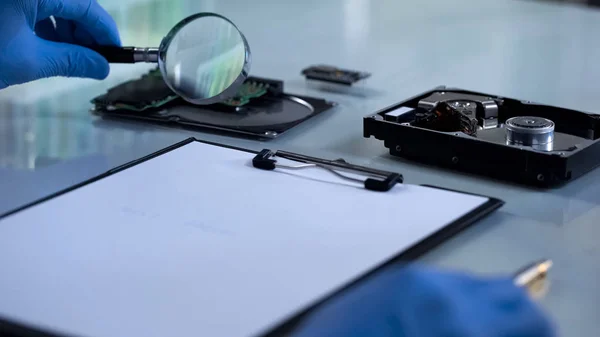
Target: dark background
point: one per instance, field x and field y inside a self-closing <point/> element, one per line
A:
<point x="595" y="3"/>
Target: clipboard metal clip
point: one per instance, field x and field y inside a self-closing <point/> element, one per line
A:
<point x="377" y="180"/>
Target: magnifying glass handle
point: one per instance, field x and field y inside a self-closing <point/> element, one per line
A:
<point x="127" y="54"/>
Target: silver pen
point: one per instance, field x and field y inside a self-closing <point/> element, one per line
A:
<point x="534" y="278"/>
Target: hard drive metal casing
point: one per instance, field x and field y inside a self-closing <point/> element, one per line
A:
<point x="576" y="150"/>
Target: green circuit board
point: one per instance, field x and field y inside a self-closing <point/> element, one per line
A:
<point x="150" y="92"/>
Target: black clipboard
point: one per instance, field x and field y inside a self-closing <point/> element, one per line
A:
<point x="376" y="180"/>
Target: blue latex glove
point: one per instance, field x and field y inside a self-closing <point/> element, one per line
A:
<point x="33" y="47"/>
<point x="420" y="302"/>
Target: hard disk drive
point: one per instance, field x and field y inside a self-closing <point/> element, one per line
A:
<point x="260" y="109"/>
<point x="499" y="137"/>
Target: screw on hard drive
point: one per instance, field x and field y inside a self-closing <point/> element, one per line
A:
<point x="270" y="133"/>
<point x="455" y="160"/>
<point x="540" y="177"/>
<point x="398" y="148"/>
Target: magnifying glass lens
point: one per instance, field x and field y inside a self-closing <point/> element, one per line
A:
<point x="204" y="59"/>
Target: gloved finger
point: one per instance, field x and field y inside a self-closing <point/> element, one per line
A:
<point x="62" y="31"/>
<point x="527" y="321"/>
<point x="463" y="305"/>
<point x="71" y="32"/>
<point x="503" y="294"/>
<point x="88" y="13"/>
<point x="431" y="302"/>
<point x="405" y="300"/>
<point x="362" y="310"/>
<point x="65" y="29"/>
<point x="515" y="313"/>
<point x="68" y="60"/>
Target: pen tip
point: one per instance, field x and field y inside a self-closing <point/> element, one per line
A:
<point x="545" y="265"/>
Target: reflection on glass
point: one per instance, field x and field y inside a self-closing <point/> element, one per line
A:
<point x="145" y="23"/>
<point x="204" y="58"/>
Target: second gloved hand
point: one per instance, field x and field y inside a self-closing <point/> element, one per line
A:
<point x="44" y="38"/>
<point x="420" y="302"/>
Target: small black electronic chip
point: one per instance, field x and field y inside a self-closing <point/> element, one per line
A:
<point x="332" y="74"/>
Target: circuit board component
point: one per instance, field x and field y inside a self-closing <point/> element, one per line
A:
<point x="150" y="92"/>
<point x="145" y="93"/>
<point x="249" y="90"/>
<point x="331" y="74"/>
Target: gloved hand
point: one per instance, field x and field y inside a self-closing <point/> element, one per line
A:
<point x="420" y="302"/>
<point x="32" y="47"/>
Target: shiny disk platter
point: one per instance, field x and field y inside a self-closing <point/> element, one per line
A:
<point x="268" y="113"/>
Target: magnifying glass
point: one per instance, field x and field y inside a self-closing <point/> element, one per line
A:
<point x="204" y="59"/>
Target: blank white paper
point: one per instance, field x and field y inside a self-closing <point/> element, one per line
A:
<point x="196" y="242"/>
